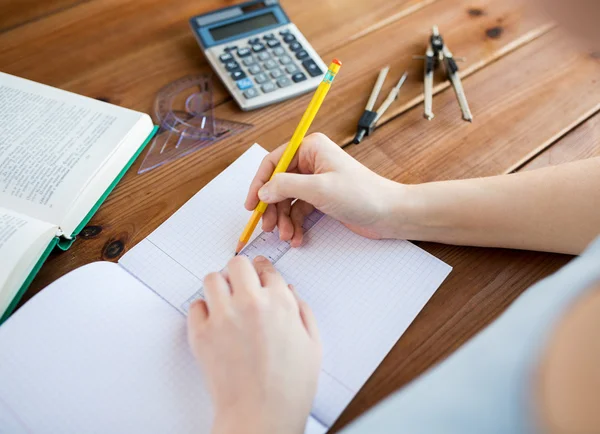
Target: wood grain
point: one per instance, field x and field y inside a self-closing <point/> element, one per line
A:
<point x="466" y="35"/>
<point x="107" y="57"/>
<point x="519" y="104"/>
<point x="19" y="12"/>
<point x="581" y="143"/>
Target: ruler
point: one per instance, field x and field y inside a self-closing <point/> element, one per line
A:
<point x="266" y="244"/>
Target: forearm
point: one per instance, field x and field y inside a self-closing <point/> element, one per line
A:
<point x="555" y="209"/>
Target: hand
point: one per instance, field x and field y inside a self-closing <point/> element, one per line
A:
<point x="258" y="346"/>
<point x="322" y="176"/>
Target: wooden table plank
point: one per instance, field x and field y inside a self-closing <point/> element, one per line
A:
<point x="521" y="104"/>
<point x="106" y="58"/>
<point x="467" y="35"/>
<point x="19" y="12"/>
<point x="583" y="142"/>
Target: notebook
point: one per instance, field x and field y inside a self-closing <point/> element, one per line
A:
<point x="104" y="348"/>
<point x="61" y="154"/>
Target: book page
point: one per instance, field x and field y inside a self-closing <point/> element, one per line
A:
<point x="97" y="351"/>
<point x="365" y="293"/>
<point x="22" y="242"/>
<point x="52" y="143"/>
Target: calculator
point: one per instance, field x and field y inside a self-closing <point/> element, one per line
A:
<point x="261" y="57"/>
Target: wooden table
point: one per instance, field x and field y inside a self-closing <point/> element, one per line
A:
<point x="534" y="95"/>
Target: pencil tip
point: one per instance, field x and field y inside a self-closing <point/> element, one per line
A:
<point x="239" y="248"/>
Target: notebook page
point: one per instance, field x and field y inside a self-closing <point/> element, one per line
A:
<point x="98" y="352"/>
<point x="200" y="237"/>
<point x="364" y="293"/>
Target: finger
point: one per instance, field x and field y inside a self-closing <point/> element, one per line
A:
<point x="264" y="173"/>
<point x="299" y="211"/>
<point x="310" y="188"/>
<point x="217" y="293"/>
<point x="284" y="222"/>
<point x="197" y="313"/>
<point x="308" y="317"/>
<point x="269" y="219"/>
<point x="268" y="275"/>
<point x="243" y="276"/>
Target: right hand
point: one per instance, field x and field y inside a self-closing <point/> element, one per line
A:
<point x="325" y="177"/>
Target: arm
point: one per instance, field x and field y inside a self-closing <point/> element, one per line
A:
<point x="555" y="209"/>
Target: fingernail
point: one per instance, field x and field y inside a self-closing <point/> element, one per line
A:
<point x="260" y="259"/>
<point x="263" y="194"/>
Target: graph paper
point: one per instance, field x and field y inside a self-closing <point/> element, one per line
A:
<point x="365" y="293"/>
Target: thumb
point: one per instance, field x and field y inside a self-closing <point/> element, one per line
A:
<point x="309" y="188"/>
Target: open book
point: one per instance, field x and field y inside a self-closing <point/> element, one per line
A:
<point x="104" y="348"/>
<point x="60" y="156"/>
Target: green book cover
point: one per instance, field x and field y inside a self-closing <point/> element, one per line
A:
<point x="65" y="243"/>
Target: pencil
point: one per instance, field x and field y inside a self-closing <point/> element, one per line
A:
<point x="292" y="147"/>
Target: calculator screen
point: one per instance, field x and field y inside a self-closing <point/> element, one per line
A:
<point x="240" y="27"/>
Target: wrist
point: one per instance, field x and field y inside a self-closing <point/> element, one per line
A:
<point x="404" y="213"/>
<point x="254" y="422"/>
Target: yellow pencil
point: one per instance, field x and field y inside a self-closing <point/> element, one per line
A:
<point x="292" y="147"/>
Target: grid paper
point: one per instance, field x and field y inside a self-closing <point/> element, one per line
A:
<point x="365" y="293"/>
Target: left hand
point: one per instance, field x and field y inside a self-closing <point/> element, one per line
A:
<point x="259" y="349"/>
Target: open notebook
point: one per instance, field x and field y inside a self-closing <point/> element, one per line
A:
<point x="98" y="351"/>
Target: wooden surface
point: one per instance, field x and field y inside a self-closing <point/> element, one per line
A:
<point x="533" y="93"/>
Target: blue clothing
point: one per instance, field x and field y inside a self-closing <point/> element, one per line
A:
<point x="485" y="386"/>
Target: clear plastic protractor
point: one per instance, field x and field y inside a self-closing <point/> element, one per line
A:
<point x="185" y="107"/>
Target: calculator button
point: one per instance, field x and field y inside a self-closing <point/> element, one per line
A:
<point x="254" y="41"/>
<point x="251" y="93"/>
<point x="238" y="75"/>
<point x="258" y="47"/>
<point x="269" y="36"/>
<point x="272" y="43"/>
<point x="249" y="61"/>
<point x="284" y="32"/>
<point x="230" y="48"/>
<point x="279" y="51"/>
<point x="270" y="64"/>
<point x="244" y="83"/>
<point x="226" y="57"/>
<point x="289" y="38"/>
<point x="232" y="66"/>
<point x="302" y="54"/>
<point x="254" y="69"/>
<point x="261" y="77"/>
<point x="268" y="87"/>
<point x="291" y="68"/>
<point x="285" y="60"/>
<point x="312" y="68"/>
<point x="283" y="81"/>
<point x="295" y="46"/>
<point x="276" y="73"/>
<point x="263" y="56"/>
<point x="298" y="77"/>
<point x="243" y="52"/>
